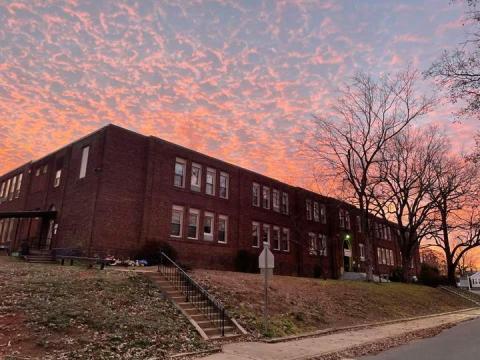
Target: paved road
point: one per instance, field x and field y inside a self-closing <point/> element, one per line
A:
<point x="460" y="342"/>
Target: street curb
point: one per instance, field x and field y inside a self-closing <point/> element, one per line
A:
<point x="357" y="327"/>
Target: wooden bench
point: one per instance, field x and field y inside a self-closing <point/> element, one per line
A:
<point x="91" y="261"/>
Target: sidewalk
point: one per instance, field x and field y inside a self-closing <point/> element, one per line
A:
<point x="311" y="347"/>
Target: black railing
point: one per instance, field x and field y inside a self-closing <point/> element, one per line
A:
<point x="210" y="307"/>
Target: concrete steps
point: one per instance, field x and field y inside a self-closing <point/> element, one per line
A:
<point x="40" y="258"/>
<point x="192" y="310"/>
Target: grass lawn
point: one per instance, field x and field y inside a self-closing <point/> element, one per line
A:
<point x="298" y="305"/>
<point x="54" y="312"/>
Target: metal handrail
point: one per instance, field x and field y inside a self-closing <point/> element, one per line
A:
<point x="194" y="292"/>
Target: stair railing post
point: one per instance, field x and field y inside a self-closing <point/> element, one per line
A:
<point x="223" y="322"/>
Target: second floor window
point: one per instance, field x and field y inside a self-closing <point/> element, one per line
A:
<point x="316" y="212"/>
<point x="224" y="182"/>
<point x="347" y="220"/>
<point x="12" y="188"/>
<point x="276" y="200"/>
<point x="210" y="181"/>
<point x="359" y="223"/>
<point x="19" y="186"/>
<point x="196" y="179"/>
<point x="341" y="218"/>
<point x="308" y="207"/>
<point x="2" y="190"/>
<point x="84" y="162"/>
<point x="255" y="194"/>
<point x="180" y="170"/>
<point x="285" y="203"/>
<point x="266" y="197"/>
<point x="58" y="177"/>
<point x="323" y="214"/>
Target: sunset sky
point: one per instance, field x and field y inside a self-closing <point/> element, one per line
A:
<point x="237" y="80"/>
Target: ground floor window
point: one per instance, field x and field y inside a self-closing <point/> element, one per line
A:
<point x="222" y="228"/>
<point x="208" y="226"/>
<point x="361" y="248"/>
<point x="286" y="240"/>
<point x="276" y="238"/>
<point x="255" y="234"/>
<point x="177" y="221"/>
<point x="193" y="216"/>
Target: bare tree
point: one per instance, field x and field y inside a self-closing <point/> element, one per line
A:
<point x="366" y="116"/>
<point x="402" y="192"/>
<point x="433" y="259"/>
<point x="459" y="71"/>
<point x="457" y="214"/>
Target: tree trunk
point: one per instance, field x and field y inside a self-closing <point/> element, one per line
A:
<point x="452" y="280"/>
<point x="406" y="268"/>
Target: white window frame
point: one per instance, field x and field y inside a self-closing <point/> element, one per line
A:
<point x="285" y="205"/>
<point x="276" y="229"/>
<point x="361" y="250"/>
<point x="323" y="214"/>
<point x="84" y="162"/>
<point x="193" y="186"/>
<point x="197" y="213"/>
<point x="256" y="189"/>
<point x="12" y="188"/>
<point x="266" y="197"/>
<point x="209" y="236"/>
<point x="268" y="232"/>
<point x="287" y="232"/>
<point x="211" y="171"/>
<point x="19" y="186"/>
<point x="308" y="209"/>
<point x="7" y="189"/>
<point x="183" y="164"/>
<point x="348" y="224"/>
<point x="2" y="190"/>
<point x="224" y="218"/>
<point x="341" y="219"/>
<point x="323" y="248"/>
<point x="276" y="200"/>
<point x="316" y="212"/>
<point x="227" y="184"/>
<point x="58" y="177"/>
<point x="256" y="226"/>
<point x="312" y="243"/>
<point x="176" y="208"/>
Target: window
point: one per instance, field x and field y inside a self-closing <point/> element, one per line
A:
<point x="12" y="188"/>
<point x="2" y="191"/>
<point x="180" y="170"/>
<point x="222" y="229"/>
<point x="285" y="240"/>
<point x="323" y="245"/>
<point x="266" y="197"/>
<point x="58" y="176"/>
<point x="208" y="220"/>
<point x="347" y="220"/>
<point x="255" y="234"/>
<point x="276" y="200"/>
<point x="45" y="169"/>
<point x="210" y="182"/>
<point x="37" y="172"/>
<point x="388" y="233"/>
<point x="19" y="186"/>
<point x="312" y="242"/>
<point x="316" y="212"/>
<point x="341" y="218"/>
<point x="285" y="203"/>
<point x="323" y="214"/>
<point x="266" y="233"/>
<point x="7" y="189"/>
<point x="308" y="206"/>
<point x="224" y="180"/>
<point x="196" y="179"/>
<point x="256" y="194"/>
<point x="361" y="248"/>
<point x="359" y="223"/>
<point x="177" y="221"/>
<point x="276" y="238"/>
<point x="379" y="256"/>
<point x="84" y="162"/>
<point x="192" y="230"/>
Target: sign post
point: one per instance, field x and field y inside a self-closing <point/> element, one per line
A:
<point x="266" y="264"/>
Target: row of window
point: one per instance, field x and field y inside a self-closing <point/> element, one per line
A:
<point x="319" y="211"/>
<point x="196" y="179"/>
<point x="10" y="189"/>
<point x="278" y="201"/>
<point x="277" y="237"/>
<point x="193" y="224"/>
<point x="383" y="231"/>
<point x="317" y="244"/>
<point x="385" y="256"/>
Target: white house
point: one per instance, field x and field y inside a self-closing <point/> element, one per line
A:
<point x="475" y="280"/>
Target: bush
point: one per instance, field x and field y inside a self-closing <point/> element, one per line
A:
<point x="151" y="252"/>
<point x="397" y="275"/>
<point x="245" y="262"/>
<point x="318" y="271"/>
<point x="430" y="276"/>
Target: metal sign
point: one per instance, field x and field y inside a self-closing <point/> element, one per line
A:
<point x="266" y="260"/>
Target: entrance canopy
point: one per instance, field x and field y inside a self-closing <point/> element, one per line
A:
<point x="45" y="214"/>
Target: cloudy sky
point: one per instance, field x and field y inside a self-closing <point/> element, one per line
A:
<point x="238" y="80"/>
